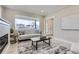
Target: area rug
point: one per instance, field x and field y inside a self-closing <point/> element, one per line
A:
<point x="26" y="47"/>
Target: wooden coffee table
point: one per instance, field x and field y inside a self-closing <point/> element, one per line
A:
<point x="38" y="39"/>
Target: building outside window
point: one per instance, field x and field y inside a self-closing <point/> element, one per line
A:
<point x="27" y="26"/>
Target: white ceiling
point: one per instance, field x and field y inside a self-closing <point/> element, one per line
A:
<point x="36" y="9"/>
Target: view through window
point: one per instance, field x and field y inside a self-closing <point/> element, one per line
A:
<point x="27" y="26"/>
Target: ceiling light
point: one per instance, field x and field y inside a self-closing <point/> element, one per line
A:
<point x="42" y="11"/>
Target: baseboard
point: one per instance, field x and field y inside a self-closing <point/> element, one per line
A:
<point x="62" y="40"/>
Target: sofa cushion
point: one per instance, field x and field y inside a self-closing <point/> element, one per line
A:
<point x="28" y="36"/>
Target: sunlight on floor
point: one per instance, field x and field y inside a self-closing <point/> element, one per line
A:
<point x="12" y="49"/>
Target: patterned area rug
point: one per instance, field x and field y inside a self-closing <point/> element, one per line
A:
<point x="26" y="47"/>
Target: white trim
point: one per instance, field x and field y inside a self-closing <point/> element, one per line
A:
<point x="62" y="40"/>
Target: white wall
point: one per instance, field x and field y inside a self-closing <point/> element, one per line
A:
<point x="0" y="11"/>
<point x="71" y="36"/>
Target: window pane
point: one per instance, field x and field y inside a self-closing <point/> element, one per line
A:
<point x="27" y="26"/>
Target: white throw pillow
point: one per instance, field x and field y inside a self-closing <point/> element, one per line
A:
<point x="75" y="48"/>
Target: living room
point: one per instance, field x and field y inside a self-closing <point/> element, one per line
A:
<point x="17" y="16"/>
<point x="27" y="23"/>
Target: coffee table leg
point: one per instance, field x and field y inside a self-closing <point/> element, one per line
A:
<point x="32" y="42"/>
<point x="49" y="41"/>
<point x="36" y="45"/>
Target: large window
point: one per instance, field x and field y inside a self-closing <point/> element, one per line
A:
<point x="27" y="26"/>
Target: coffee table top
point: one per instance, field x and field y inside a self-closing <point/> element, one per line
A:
<point x="35" y="39"/>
